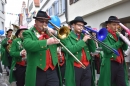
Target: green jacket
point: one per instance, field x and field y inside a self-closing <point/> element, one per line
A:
<point x="4" y="56"/>
<point x="75" y="46"/>
<point x="105" y="70"/>
<point x="15" y="50"/>
<point x="36" y="55"/>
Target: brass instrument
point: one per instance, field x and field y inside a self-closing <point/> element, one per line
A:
<point x="63" y="32"/>
<point x="124" y="38"/>
<point x="15" y="28"/>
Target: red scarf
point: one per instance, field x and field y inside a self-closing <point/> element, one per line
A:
<point x="43" y="34"/>
<point x="120" y="57"/>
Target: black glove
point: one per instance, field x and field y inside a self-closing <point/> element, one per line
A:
<point x="123" y="32"/>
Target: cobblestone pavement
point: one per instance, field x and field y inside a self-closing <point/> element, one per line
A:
<point x="4" y="79"/>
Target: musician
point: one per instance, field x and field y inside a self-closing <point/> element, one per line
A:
<point x="6" y="58"/>
<point x="113" y="67"/>
<point x="80" y="45"/>
<point x="18" y="53"/>
<point x="42" y="53"/>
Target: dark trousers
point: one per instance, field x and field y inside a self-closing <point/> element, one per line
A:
<point x="20" y="75"/>
<point x="83" y="76"/>
<point x="0" y="67"/>
<point x="117" y="74"/>
<point x="62" y="69"/>
<point x="47" y="78"/>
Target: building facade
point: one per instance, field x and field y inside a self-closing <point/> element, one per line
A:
<point x="96" y="12"/>
<point x="52" y="7"/>
<point x="2" y="15"/>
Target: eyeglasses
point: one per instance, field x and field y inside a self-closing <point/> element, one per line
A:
<point x="80" y="25"/>
<point x="43" y="21"/>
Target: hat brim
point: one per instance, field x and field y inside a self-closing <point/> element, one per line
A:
<point x="41" y="18"/>
<point x="116" y="21"/>
<point x="18" y="31"/>
<point x="74" y="21"/>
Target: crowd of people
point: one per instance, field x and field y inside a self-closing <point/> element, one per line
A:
<point x="34" y="57"/>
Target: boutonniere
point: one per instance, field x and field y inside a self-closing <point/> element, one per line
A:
<point x="37" y="34"/>
<point x="20" y="44"/>
<point x="111" y="36"/>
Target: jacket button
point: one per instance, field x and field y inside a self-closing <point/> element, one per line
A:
<point x="40" y="59"/>
<point x="77" y="52"/>
<point x="40" y="54"/>
<point x="40" y="64"/>
<point x="112" y="56"/>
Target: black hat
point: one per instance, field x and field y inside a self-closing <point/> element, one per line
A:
<point x="112" y="19"/>
<point x="9" y="30"/>
<point x="42" y="15"/>
<point x="78" y="19"/>
<point x="21" y="28"/>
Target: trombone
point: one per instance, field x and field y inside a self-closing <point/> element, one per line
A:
<point x="63" y="32"/>
<point x="101" y="35"/>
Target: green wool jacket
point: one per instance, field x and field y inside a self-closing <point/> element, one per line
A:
<point x="16" y="48"/>
<point x="75" y="46"/>
<point x="4" y="58"/>
<point x="105" y="71"/>
<point x="36" y="55"/>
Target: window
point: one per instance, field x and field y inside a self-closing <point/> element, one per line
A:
<point x="60" y="6"/>
<point x="2" y="23"/>
<point x="2" y="8"/>
<point x="50" y="11"/>
<point x="73" y="1"/>
<point x="47" y="11"/>
<point x="41" y="1"/>
<point x="30" y="7"/>
<point x="63" y="6"/>
<point x="56" y="8"/>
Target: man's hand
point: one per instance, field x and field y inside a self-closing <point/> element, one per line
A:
<point x="52" y="40"/>
<point x="52" y="31"/>
<point x="23" y="52"/>
<point x="86" y="37"/>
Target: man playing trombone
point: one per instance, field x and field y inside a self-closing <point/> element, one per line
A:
<point x="113" y="71"/>
<point x="80" y="45"/>
<point x="42" y="56"/>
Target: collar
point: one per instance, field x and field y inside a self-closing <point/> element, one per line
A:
<point x="111" y="31"/>
<point x="37" y="29"/>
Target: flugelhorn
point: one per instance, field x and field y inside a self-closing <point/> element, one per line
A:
<point x="63" y="32"/>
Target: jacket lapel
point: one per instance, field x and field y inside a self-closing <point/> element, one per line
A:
<point x="74" y="37"/>
<point x="110" y="36"/>
<point x="33" y="32"/>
